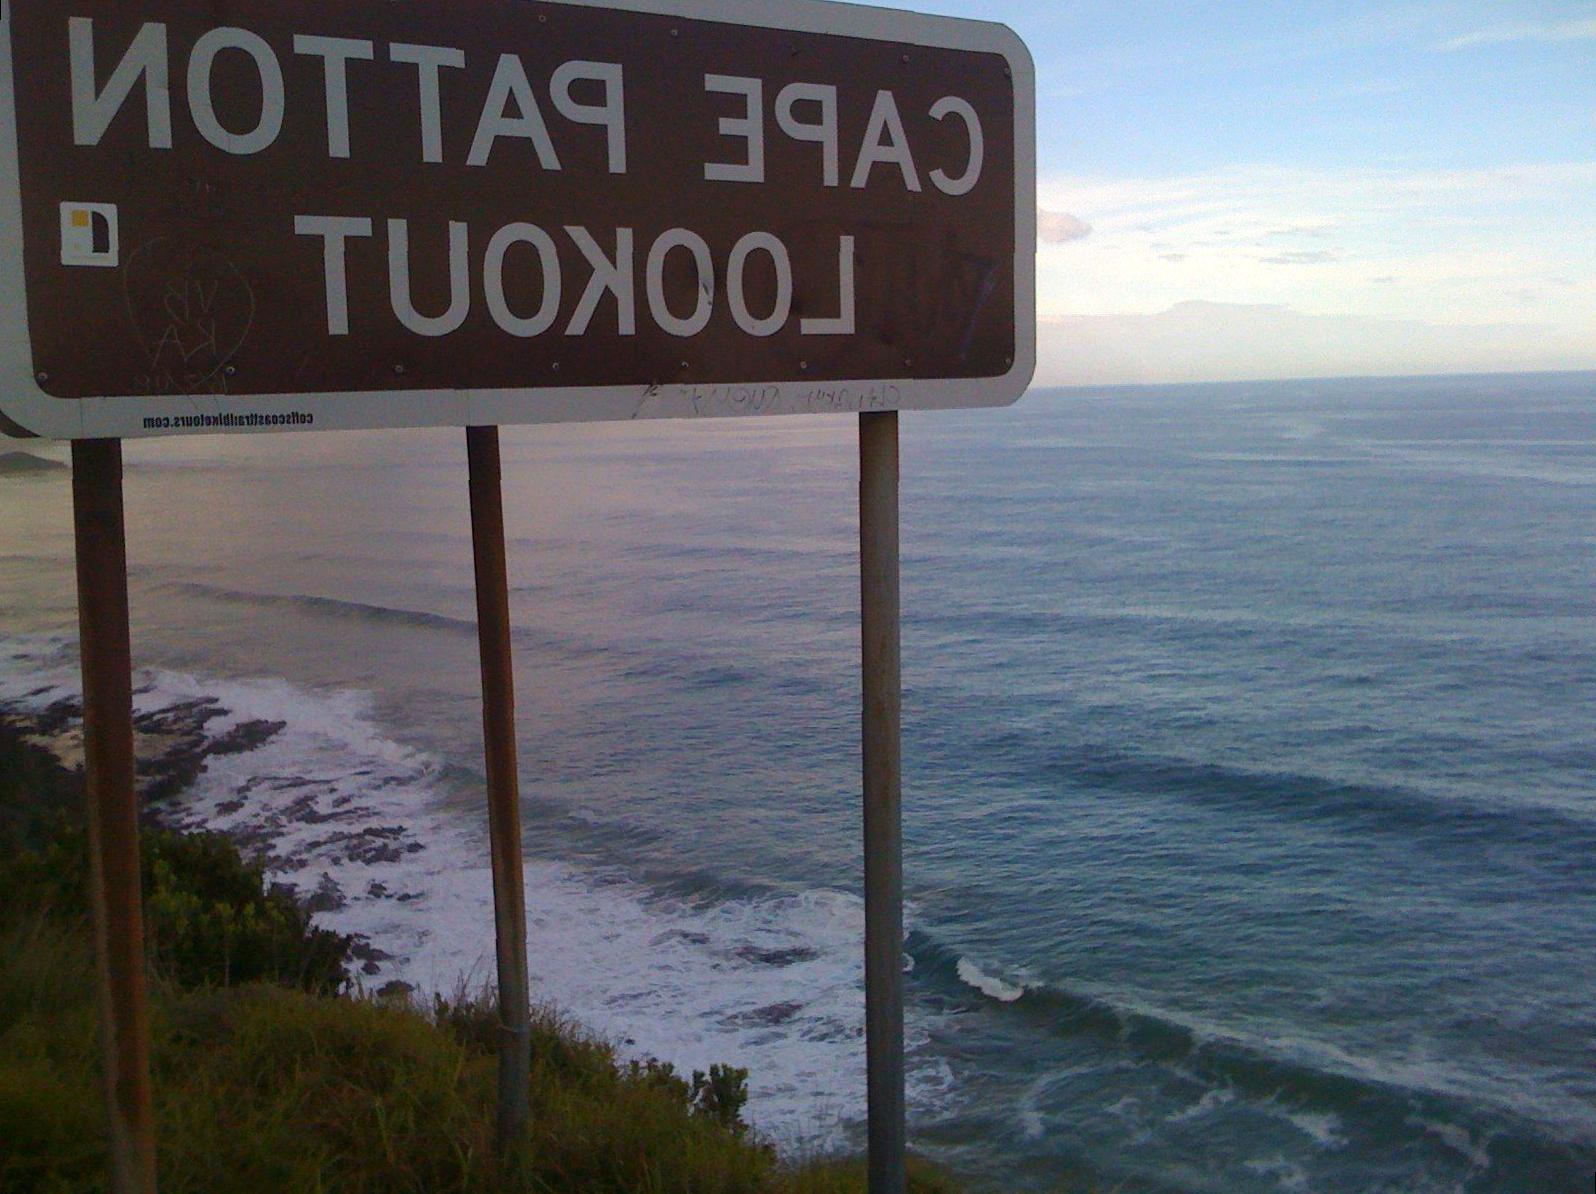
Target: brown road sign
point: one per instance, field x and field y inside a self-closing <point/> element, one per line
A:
<point x="224" y="215"/>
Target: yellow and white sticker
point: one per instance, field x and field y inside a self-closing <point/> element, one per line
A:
<point x="89" y="234"/>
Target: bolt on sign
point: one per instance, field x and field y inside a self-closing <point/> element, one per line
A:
<point x="224" y="215"/>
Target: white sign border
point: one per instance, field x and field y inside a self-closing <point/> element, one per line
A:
<point x="26" y="409"/>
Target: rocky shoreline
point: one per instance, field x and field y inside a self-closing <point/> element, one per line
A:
<point x="174" y="747"/>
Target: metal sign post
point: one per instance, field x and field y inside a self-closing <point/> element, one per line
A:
<point x="504" y="795"/>
<point x="883" y="820"/>
<point x="113" y="811"/>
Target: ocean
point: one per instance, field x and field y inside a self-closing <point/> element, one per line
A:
<point x="1250" y="775"/>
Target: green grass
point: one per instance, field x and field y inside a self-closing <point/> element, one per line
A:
<point x="263" y="1087"/>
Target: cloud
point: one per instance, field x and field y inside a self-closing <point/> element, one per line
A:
<point x="1057" y="227"/>
<point x="1503" y="34"/>
<point x="1262" y="200"/>
<point x="1206" y="341"/>
<point x="1315" y="257"/>
<point x="1465" y="243"/>
<point x="1424" y="257"/>
<point x="1315" y="231"/>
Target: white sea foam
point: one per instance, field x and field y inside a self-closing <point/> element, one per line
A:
<point x="37" y="670"/>
<point x="1323" y="1127"/>
<point x="988" y="984"/>
<point x="1212" y="1100"/>
<point x="348" y="817"/>
<point x="1460" y="1140"/>
<point x="1288" y="1175"/>
<point x="1037" y="1108"/>
<point x="1127" y="1108"/>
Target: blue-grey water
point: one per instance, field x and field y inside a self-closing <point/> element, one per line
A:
<point x="1250" y="792"/>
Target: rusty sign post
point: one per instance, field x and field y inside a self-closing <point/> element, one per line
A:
<point x="882" y="742"/>
<point x="99" y="531"/>
<point x="229" y="216"/>
<point x="504" y="794"/>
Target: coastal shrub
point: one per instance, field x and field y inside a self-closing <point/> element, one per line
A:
<point x="208" y="916"/>
<point x="562" y="1050"/>
<point x="40" y="961"/>
<point x="43" y="875"/>
<point x="36" y="793"/>
<point x="720" y="1095"/>
<point x="661" y="1076"/>
<point x="211" y="919"/>
<point x="51" y="1128"/>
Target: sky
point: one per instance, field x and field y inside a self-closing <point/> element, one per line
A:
<point x="1259" y="190"/>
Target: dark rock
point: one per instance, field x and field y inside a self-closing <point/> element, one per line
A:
<point x="367" y="952"/>
<point x="57" y="717"/>
<point x="369" y="956"/>
<point x="174" y="746"/>
<point x="378" y="843"/>
<point x="765" y="1017"/>
<point x="246" y="736"/>
<point x="776" y="957"/>
<point x="381" y="891"/>
<point x="328" y="896"/>
<point x="304" y="810"/>
<point x="681" y="935"/>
